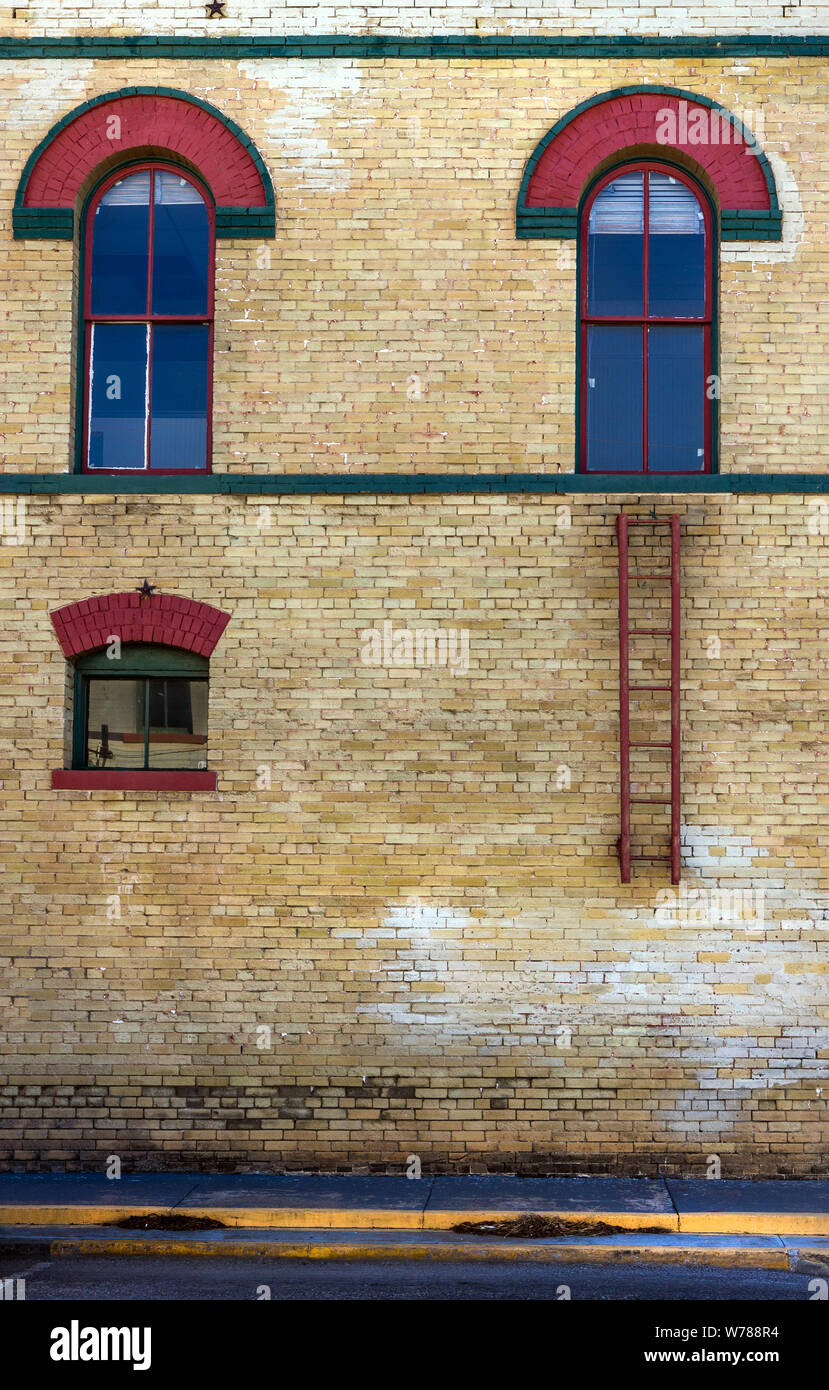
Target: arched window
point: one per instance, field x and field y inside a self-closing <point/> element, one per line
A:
<point x="646" y="314"/>
<point x="148" y="322"/>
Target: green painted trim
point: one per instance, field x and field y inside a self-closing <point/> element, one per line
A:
<point x="562" y="224"/>
<point x="58" y="224"/>
<point x="750" y="225"/>
<point x="465" y="46"/>
<point x="79" y="721"/>
<point x="143" y="659"/>
<point x="408" y="484"/>
<point x="533" y="223"/>
<point x="230" y="221"/>
<point x="740" y="225"/>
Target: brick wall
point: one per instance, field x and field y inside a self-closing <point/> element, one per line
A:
<point x="396" y="17"/>
<point x="397" y="926"/>
<point x="395" y="323"/>
<point x="408" y="874"/>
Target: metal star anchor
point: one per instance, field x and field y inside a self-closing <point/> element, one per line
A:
<point x="146" y="590"/>
<point x="216" y="9"/>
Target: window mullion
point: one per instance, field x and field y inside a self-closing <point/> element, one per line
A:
<point x="147" y="723"/>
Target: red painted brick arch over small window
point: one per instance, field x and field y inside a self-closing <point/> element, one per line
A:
<point x="162" y="618"/>
<point x="158" y="119"/>
<point x="653" y="121"/>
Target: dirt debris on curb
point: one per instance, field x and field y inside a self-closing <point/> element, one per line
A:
<point x="532" y="1227"/>
<point x="168" y="1221"/>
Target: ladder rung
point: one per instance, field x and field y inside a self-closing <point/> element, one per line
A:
<point x="648" y="745"/>
<point x="653" y="858"/>
<point x="653" y="800"/>
<point x="648" y="521"/>
<point x="663" y="574"/>
<point x="649" y="687"/>
<point x="649" y="632"/>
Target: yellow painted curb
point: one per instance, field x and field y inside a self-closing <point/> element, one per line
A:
<point x="335" y="1218"/>
<point x="754" y="1223"/>
<point x="332" y="1219"/>
<point x="310" y="1219"/>
<point x="569" y="1253"/>
<point x="70" y="1215"/>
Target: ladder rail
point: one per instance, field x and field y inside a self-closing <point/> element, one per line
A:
<point x="674" y="633"/>
<point x="676" y="666"/>
<point x="624" y="698"/>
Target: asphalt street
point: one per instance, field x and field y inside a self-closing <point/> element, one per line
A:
<point x="378" y="1280"/>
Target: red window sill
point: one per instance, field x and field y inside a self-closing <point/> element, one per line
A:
<point x="139" y="780"/>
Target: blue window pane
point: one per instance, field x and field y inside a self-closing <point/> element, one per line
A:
<point x="181" y="243"/>
<point x="676" y="250"/>
<point x="614" y="399"/>
<point x="118" y="395"/>
<point x="178" y="430"/>
<point x="615" y="248"/>
<point x="676" y="400"/>
<point x="120" y="248"/>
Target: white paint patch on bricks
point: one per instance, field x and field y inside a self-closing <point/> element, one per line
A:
<point x="310" y="90"/>
<point x="45" y="92"/>
<point x="794" y="223"/>
<point x="716" y="1104"/>
<point x="659" y="17"/>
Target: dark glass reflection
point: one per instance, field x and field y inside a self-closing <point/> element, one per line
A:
<point x="615" y="248"/>
<point x="178" y="426"/>
<point x="118" y="392"/>
<point x="614" y="398"/>
<point x="676" y="250"/>
<point x="120" y="248"/>
<point x="181" y="244"/>
<point x="676" y="399"/>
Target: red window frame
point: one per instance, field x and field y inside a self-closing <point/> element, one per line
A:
<point x="206" y="319"/>
<point x="586" y="320"/>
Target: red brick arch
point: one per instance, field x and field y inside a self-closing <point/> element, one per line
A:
<point x="94" y="135"/>
<point x="162" y="618"/>
<point x="661" y="121"/>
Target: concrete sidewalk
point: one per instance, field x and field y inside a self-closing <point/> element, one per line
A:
<point x="261" y="1202"/>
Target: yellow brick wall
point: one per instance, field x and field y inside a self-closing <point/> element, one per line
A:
<point x="267" y="17"/>
<point x="394" y="875"/>
<point x="395" y="323"/>
<point x="408" y="875"/>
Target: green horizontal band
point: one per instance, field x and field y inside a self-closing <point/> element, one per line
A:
<point x="563" y="223"/>
<point x="476" y="46"/>
<point x="411" y="484"/>
<point x="58" y="224"/>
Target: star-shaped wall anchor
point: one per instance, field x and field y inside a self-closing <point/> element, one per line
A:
<point x="216" y="9"/>
<point x="146" y="590"/>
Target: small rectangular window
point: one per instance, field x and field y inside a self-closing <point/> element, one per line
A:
<point x="157" y="722"/>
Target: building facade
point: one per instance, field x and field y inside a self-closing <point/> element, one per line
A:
<point x="334" y="344"/>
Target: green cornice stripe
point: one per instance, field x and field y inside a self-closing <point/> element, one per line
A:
<point x="465" y="46"/>
<point x="434" y="484"/>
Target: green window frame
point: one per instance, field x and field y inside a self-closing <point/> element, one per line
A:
<point x="142" y="663"/>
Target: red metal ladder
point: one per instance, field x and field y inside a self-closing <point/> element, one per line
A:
<point x="626" y="632"/>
